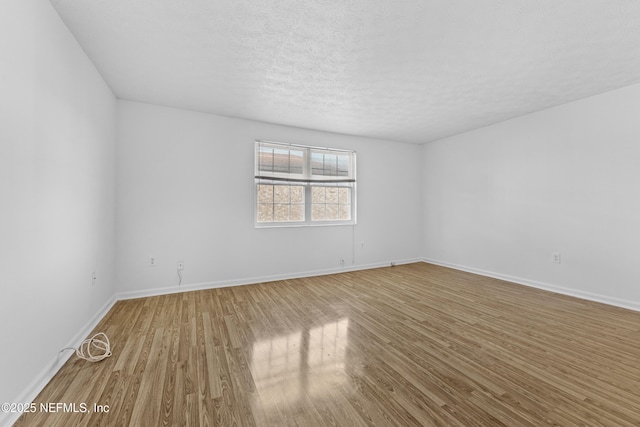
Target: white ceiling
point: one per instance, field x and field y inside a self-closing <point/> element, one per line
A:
<point x="402" y="70"/>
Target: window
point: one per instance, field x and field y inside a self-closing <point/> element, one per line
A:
<point x="299" y="185"/>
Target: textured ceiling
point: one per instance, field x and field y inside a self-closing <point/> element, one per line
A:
<point x="411" y="71"/>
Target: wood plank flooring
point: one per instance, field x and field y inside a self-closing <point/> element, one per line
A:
<point x="411" y="345"/>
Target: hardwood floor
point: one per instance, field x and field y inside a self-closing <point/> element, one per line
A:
<point x="409" y="345"/>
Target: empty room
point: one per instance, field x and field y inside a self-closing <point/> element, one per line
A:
<point x="319" y="213"/>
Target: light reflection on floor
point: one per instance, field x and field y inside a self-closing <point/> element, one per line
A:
<point x="302" y="364"/>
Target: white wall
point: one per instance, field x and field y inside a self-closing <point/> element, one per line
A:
<point x="186" y="192"/>
<point x="57" y="187"/>
<point x="501" y="199"/>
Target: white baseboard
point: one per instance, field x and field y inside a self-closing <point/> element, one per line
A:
<point x="253" y="280"/>
<point x="47" y="373"/>
<point x="605" y="299"/>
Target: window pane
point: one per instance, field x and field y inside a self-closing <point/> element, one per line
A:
<point x="317" y="195"/>
<point x="265" y="193"/>
<point x="281" y="213"/>
<point x="332" y="212"/>
<point x="265" y="159"/>
<point x="297" y="194"/>
<point x="281" y="160"/>
<point x="296" y="162"/>
<point x="265" y="212"/>
<point x="332" y="195"/>
<point x="323" y="164"/>
<point x="297" y="212"/>
<point x="344" y="197"/>
<point x="281" y="194"/>
<point x="317" y="163"/>
<point x="317" y="212"/>
<point x="330" y="165"/>
<point x="344" y="212"/>
<point x="343" y="165"/>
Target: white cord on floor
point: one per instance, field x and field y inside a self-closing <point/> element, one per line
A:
<point x="99" y="342"/>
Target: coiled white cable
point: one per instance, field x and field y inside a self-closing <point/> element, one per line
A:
<point x="98" y="344"/>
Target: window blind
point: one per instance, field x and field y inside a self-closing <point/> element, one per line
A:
<point x="296" y="163"/>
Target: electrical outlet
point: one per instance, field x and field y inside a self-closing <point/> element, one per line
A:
<point x="341" y="262"/>
<point x="555" y="258"/>
<point x="93" y="278"/>
<point x="152" y="261"/>
<point x="180" y="265"/>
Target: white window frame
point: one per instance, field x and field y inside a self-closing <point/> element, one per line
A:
<point x="308" y="180"/>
